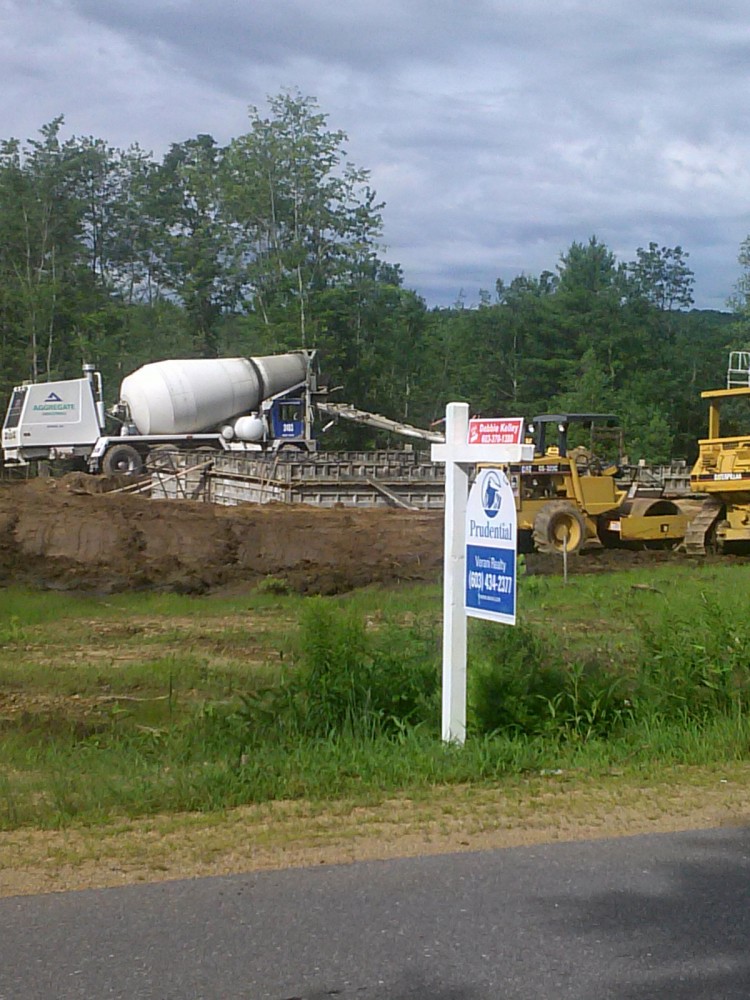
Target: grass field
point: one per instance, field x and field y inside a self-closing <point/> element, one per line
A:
<point x="144" y="705"/>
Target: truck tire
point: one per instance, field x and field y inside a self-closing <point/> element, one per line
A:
<point x="123" y="460"/>
<point x="557" y="521"/>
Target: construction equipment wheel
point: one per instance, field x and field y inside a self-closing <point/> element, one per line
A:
<point x="123" y="460"/>
<point x="657" y="508"/>
<point x="637" y="507"/>
<point x="559" y="525"/>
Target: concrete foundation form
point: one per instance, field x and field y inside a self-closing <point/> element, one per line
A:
<point x="395" y="478"/>
<point x="404" y="478"/>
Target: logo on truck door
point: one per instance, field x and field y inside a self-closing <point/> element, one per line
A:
<point x="53" y="404"/>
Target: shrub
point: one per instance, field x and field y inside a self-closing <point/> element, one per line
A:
<point x="698" y="667"/>
<point x="350" y="679"/>
<point x="512" y="679"/>
<point x="519" y="684"/>
<point x="274" y="585"/>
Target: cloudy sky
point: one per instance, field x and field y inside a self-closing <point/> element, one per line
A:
<point x="496" y="131"/>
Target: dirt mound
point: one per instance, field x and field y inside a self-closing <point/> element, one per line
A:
<point x="75" y="533"/>
<point x="63" y="533"/>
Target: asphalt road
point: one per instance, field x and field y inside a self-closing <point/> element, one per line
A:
<point x="637" y="918"/>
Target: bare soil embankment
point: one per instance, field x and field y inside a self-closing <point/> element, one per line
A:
<point x="76" y="533"/>
<point x="61" y="533"/>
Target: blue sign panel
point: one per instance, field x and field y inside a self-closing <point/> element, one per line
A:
<point x="491" y="548"/>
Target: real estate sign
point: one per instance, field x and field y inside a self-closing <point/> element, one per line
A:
<point x="491" y="548"/>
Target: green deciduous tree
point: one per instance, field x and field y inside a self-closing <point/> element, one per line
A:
<point x="661" y="276"/>
<point x="304" y="216"/>
<point x="197" y="256"/>
<point x="50" y="249"/>
<point x="271" y="243"/>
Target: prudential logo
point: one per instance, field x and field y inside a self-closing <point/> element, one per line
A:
<point x="491" y="493"/>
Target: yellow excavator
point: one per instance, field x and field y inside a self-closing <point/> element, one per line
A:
<point x="568" y="495"/>
<point x="722" y="469"/>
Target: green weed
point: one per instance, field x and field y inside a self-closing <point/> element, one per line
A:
<point x="521" y="684"/>
<point x="697" y="667"/>
<point x="349" y="680"/>
<point x="157" y="703"/>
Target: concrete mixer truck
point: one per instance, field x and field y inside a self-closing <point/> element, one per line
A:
<point x="232" y="404"/>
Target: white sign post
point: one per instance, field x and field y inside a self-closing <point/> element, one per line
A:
<point x="495" y="445"/>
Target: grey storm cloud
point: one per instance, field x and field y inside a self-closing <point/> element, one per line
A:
<point x="370" y="37"/>
<point x="496" y="131"/>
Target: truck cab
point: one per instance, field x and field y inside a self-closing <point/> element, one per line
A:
<point x="54" y="419"/>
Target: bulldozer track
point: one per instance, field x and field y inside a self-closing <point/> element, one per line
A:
<point x="700" y="527"/>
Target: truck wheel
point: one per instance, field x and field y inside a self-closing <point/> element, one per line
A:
<point x="559" y="524"/>
<point x="123" y="460"/>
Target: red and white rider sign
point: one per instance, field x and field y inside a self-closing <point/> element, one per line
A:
<point x="503" y="430"/>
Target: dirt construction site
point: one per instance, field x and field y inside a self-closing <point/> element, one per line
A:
<point x="68" y="533"/>
<point x="78" y="533"/>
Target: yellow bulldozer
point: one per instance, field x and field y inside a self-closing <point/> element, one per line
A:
<point x="722" y="469"/>
<point x="568" y="495"/>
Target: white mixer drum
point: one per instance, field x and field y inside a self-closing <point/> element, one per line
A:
<point x="193" y="395"/>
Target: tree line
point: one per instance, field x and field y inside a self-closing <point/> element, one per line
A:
<point x="272" y="242"/>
